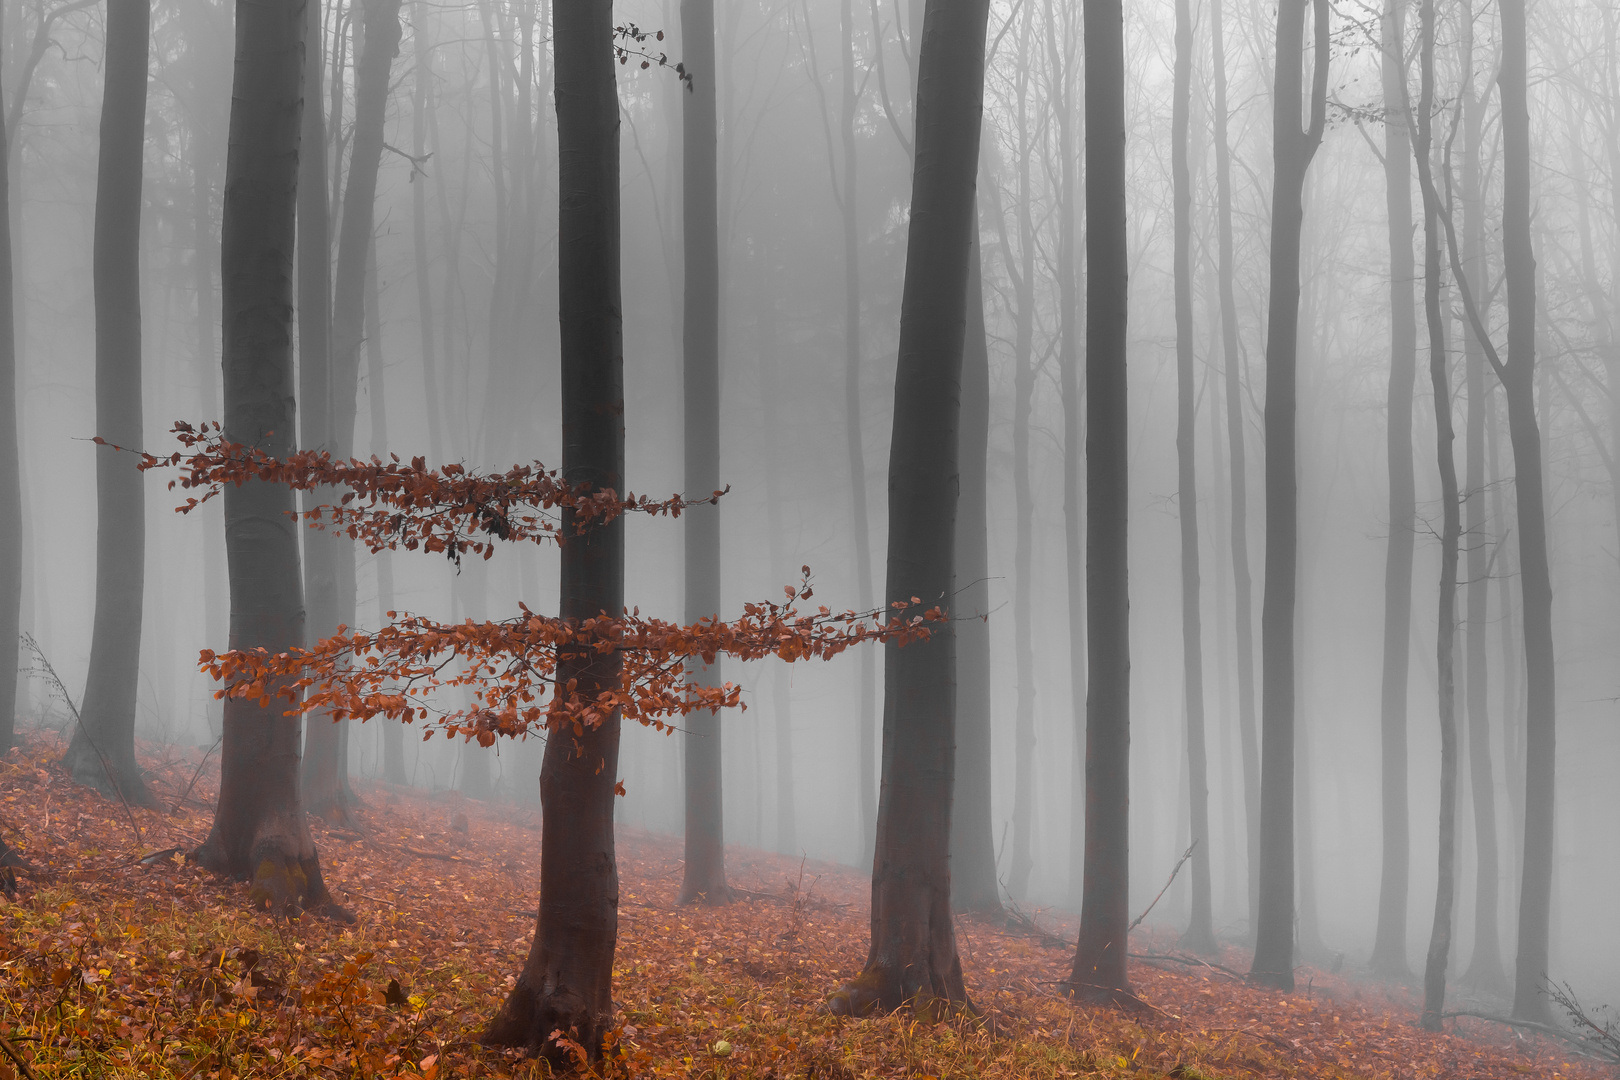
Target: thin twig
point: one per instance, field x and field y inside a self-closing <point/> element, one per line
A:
<point x="1185" y="855"/>
<point x="11" y="1052"/>
<point x="198" y="772"/>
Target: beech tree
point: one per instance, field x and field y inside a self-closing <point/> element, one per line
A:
<point x="1292" y="152"/>
<point x="1098" y="972"/>
<point x="11" y="516"/>
<point x="913" y="959"/>
<point x="102" y="752"/>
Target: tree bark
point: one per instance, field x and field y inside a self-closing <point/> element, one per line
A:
<point x="705" y="874"/>
<point x="1293" y="149"/>
<point x="393" y="732"/>
<point x="102" y="752"/>
<point x="11" y="516"/>
<point x="1434" y="972"/>
<point x="1518" y="384"/>
<point x="1200" y="935"/>
<point x="973" y="853"/>
<point x="419" y="235"/>
<point x="259" y="831"/>
<point x="1099" y="960"/>
<point x="913" y="957"/>
<point x="1242" y="582"/>
<point x="566" y="982"/>
<point x="1389" y="945"/>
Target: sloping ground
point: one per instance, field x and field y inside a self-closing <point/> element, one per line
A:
<point x="111" y="966"/>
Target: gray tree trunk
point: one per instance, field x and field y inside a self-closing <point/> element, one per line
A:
<point x="11" y="514"/>
<point x="102" y="752"/>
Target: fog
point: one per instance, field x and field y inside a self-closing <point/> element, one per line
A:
<point x="785" y="457"/>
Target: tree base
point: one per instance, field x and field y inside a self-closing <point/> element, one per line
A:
<point x="1276" y="980"/>
<point x="887" y="988"/>
<point x="556" y="1024"/>
<point x="1200" y="940"/>
<point x="124" y="780"/>
<point x="1487" y="976"/>
<point x="709" y="896"/>
<point x="284" y="884"/>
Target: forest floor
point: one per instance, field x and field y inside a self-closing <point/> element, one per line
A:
<point x="113" y="963"/>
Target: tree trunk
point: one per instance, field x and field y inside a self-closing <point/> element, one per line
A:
<point x="913" y="957"/>
<point x="1434" y="972"/>
<point x="259" y="831"/>
<point x="1099" y="960"/>
<point x="1293" y="150"/>
<point x="393" y="732"/>
<point x="705" y="875"/>
<point x="1242" y="583"/>
<point x="973" y="851"/>
<point x="1389" y="945"/>
<point x="566" y="982"/>
<point x="770" y="355"/>
<point x="419" y="237"/>
<point x="861" y="529"/>
<point x="1518" y="384"/>
<point x="1485" y="969"/>
<point x="102" y="752"/>
<point x="326" y="779"/>
<point x="11" y="517"/>
<point x="1200" y="935"/>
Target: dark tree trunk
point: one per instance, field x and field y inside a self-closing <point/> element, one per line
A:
<point x="1389" y="945"/>
<point x="393" y="733"/>
<point x="705" y="875"/>
<point x="1242" y="583"/>
<point x="973" y="853"/>
<point x="1485" y="966"/>
<point x="866" y="730"/>
<point x="259" y="831"/>
<point x="1434" y="972"/>
<point x="1293" y="150"/>
<point x="1200" y="935"/>
<point x="566" y="982"/>
<point x="326" y="773"/>
<point x="102" y="753"/>
<point x="11" y="517"/>
<point x="913" y="957"/>
<point x="1099" y="960"/>
<point x="1530" y="1002"/>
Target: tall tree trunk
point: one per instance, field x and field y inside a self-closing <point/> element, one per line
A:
<point x="11" y="514"/>
<point x="1485" y="966"/>
<point x="1200" y="935"/>
<point x="1022" y="861"/>
<point x="566" y="983"/>
<point x="1293" y="150"/>
<point x="326" y="779"/>
<point x="1518" y="385"/>
<point x="102" y="752"/>
<point x="1434" y="972"/>
<point x="1389" y="945"/>
<point x="973" y="853"/>
<point x="259" y="831"/>
<point x="866" y="730"/>
<point x="419" y="234"/>
<point x="1242" y="583"/>
<point x="1099" y="960"/>
<point x="393" y="733"/>
<point x="705" y="876"/>
<point x="913" y="958"/>
<point x="216" y="605"/>
<point x="769" y="353"/>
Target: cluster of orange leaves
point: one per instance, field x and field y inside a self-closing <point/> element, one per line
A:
<point x="112" y="967"/>
<point x="510" y="666"/>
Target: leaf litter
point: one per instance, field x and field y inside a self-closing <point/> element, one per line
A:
<point x="116" y="963"/>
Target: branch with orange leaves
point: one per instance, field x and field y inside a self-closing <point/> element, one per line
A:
<point x="391" y="504"/>
<point x="511" y="665"/>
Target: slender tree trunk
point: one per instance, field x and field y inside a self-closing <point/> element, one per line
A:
<point x="1389" y="946"/>
<point x="1485" y="967"/>
<point x="913" y="958"/>
<point x="973" y="853"/>
<point x="769" y="353"/>
<point x="853" y="434"/>
<point x="566" y="983"/>
<point x="216" y="605"/>
<point x="1099" y="961"/>
<point x="326" y="779"/>
<point x="11" y="515"/>
<point x="102" y="753"/>
<point x="1200" y="935"/>
<point x="393" y="733"/>
<point x="1518" y="384"/>
<point x="259" y="831"/>
<point x="1293" y="150"/>
<point x="1242" y="583"/>
<point x="1434" y="973"/>
<point x="419" y="233"/>
<point x="705" y="875"/>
